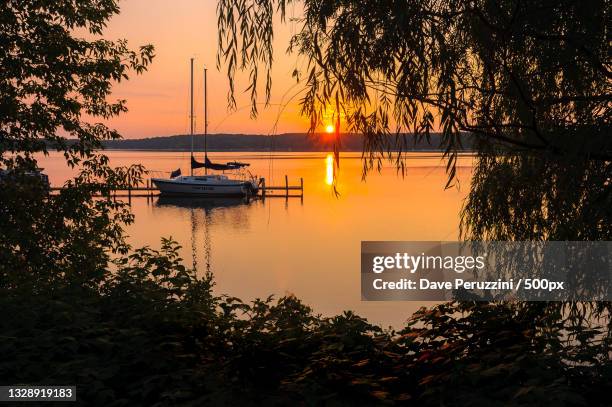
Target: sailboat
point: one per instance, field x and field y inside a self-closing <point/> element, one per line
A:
<point x="208" y="184"/>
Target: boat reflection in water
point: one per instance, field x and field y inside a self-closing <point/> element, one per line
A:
<point x="202" y="203"/>
<point x="204" y="213"/>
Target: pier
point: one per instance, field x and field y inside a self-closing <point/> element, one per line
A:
<point x="265" y="191"/>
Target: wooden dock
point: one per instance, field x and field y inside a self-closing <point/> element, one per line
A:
<point x="269" y="190"/>
<point x="265" y="191"/>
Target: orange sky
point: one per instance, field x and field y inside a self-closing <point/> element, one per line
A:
<point x="158" y="100"/>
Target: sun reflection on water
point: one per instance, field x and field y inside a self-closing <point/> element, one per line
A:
<point x="329" y="169"/>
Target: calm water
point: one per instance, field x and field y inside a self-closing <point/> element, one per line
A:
<point x="309" y="247"/>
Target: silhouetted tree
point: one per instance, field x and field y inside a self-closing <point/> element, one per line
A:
<point x="526" y="75"/>
<point x="531" y="80"/>
<point x="53" y="83"/>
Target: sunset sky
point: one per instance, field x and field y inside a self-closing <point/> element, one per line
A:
<point x="158" y="100"/>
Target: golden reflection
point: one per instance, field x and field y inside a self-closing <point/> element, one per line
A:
<point x="329" y="169"/>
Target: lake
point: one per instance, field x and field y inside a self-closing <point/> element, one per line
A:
<point x="309" y="247"/>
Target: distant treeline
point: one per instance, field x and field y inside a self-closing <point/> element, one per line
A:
<point x="249" y="142"/>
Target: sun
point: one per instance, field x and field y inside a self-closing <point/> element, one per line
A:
<point x="329" y="128"/>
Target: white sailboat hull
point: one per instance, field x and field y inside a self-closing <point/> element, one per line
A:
<point x="204" y="186"/>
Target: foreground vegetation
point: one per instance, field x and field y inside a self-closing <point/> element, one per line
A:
<point x="154" y="334"/>
<point x="136" y="327"/>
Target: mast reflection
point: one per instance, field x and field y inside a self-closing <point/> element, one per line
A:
<point x="203" y="214"/>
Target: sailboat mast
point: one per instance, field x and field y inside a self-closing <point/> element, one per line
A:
<point x="191" y="117"/>
<point x="205" y="120"/>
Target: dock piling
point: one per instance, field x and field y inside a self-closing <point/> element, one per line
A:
<point x="286" y="186"/>
<point x="263" y="188"/>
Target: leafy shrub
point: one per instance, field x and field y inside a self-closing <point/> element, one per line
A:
<point x="153" y="333"/>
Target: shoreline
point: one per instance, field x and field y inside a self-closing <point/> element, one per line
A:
<point x="176" y="150"/>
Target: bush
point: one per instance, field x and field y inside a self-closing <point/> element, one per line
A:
<point x="152" y="333"/>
